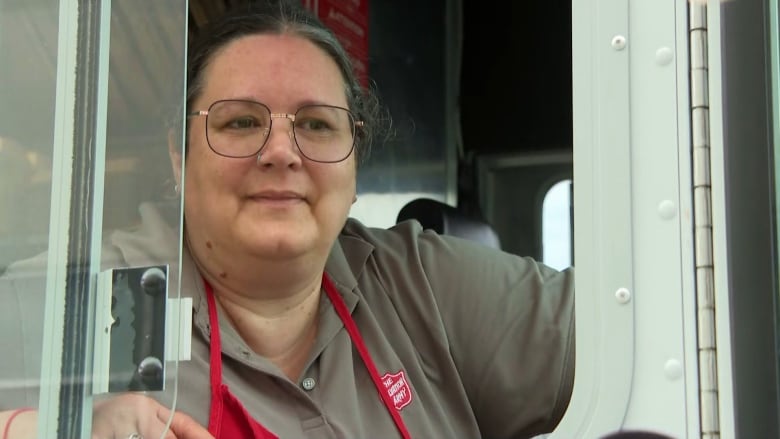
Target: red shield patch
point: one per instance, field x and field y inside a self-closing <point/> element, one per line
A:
<point x="398" y="389"/>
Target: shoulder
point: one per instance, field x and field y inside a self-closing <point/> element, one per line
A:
<point x="400" y="234"/>
<point x="408" y="238"/>
<point x="409" y="256"/>
<point x="407" y="244"/>
<point x="396" y="252"/>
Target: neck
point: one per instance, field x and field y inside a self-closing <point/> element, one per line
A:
<point x="273" y="306"/>
<point x="268" y="280"/>
<point x="281" y="330"/>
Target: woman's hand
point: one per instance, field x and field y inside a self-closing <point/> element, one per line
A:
<point x="121" y="417"/>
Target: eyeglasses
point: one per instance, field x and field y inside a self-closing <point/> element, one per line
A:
<point x="240" y="128"/>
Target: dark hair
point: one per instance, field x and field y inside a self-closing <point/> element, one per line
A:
<point x="286" y="17"/>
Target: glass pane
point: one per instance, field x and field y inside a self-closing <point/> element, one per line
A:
<point x="141" y="210"/>
<point x="133" y="216"/>
<point x="28" y="73"/>
<point x="28" y="46"/>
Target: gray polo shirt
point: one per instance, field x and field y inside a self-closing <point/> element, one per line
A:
<point x="471" y="342"/>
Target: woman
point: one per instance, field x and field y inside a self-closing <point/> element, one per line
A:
<point x="307" y="323"/>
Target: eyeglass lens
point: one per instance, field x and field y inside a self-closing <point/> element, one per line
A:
<point x="240" y="129"/>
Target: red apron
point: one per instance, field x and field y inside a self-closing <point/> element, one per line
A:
<point x="229" y="419"/>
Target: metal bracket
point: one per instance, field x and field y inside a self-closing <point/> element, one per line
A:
<point x="134" y="320"/>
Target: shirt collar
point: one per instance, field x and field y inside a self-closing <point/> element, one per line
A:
<point x="347" y="260"/>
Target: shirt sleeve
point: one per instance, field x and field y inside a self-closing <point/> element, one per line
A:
<point x="510" y="327"/>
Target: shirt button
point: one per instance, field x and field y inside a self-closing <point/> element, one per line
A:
<point x="308" y="383"/>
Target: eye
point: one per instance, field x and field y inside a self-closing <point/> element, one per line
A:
<point x="242" y="123"/>
<point x="314" y="124"/>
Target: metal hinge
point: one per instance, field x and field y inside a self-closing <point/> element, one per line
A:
<point x="139" y="329"/>
<point x="702" y="196"/>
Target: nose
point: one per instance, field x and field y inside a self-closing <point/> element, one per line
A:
<point x="280" y="148"/>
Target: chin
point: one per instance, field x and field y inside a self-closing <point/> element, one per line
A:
<point x="281" y="246"/>
<point x="279" y="251"/>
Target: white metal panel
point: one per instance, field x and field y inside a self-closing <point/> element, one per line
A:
<point x="665" y="346"/>
<point x="602" y="220"/>
<point x="636" y="326"/>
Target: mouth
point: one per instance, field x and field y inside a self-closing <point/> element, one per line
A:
<point x="277" y="197"/>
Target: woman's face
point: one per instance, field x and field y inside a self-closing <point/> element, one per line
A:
<point x="281" y="205"/>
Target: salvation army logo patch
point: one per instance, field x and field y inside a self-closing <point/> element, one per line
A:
<point x="398" y="389"/>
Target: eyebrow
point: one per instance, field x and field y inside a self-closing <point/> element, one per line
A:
<point x="299" y="104"/>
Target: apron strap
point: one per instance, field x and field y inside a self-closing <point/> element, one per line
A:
<point x="215" y="363"/>
<point x="215" y="373"/>
<point x="354" y="333"/>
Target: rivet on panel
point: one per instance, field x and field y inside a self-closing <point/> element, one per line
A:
<point x="663" y="56"/>
<point x="619" y="42"/>
<point x="673" y="369"/>
<point x="666" y="209"/>
<point x="623" y="296"/>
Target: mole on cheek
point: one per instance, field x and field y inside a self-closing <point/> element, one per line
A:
<point x="223" y="275"/>
<point x="208" y="244"/>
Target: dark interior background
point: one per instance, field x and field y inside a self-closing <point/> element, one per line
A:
<point x="513" y="100"/>
<point x="516" y="76"/>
